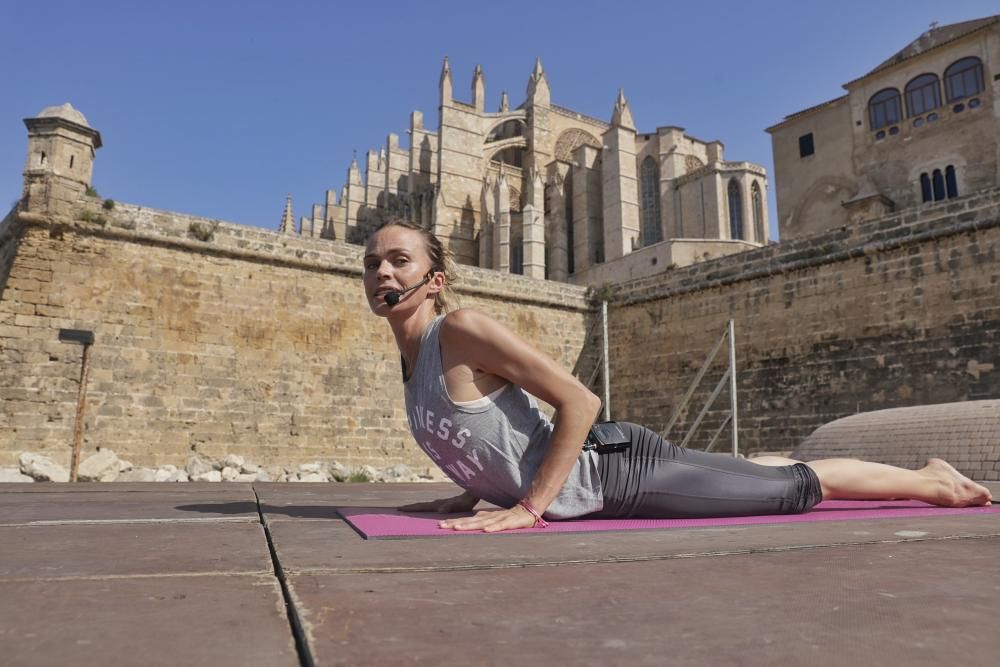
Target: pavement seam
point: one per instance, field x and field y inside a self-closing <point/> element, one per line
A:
<point x="294" y="621"/>
<point x="625" y="559"/>
<point x="167" y="575"/>
<point x="87" y="522"/>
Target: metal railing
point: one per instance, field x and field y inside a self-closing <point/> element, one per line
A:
<point x="731" y="418"/>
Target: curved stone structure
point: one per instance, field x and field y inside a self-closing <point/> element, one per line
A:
<point x="965" y="434"/>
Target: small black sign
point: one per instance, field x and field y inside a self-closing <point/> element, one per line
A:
<point x="76" y="336"/>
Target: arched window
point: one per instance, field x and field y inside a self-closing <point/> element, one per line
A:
<point x="923" y="93"/>
<point x="649" y="210"/>
<point x="758" y="212"/>
<point x="963" y="78"/>
<point x="938" y="182"/>
<point x="925" y="188"/>
<point x="506" y="130"/>
<point x="735" y="211"/>
<point x="513" y="156"/>
<point x="950" y="183"/>
<point x="883" y="108"/>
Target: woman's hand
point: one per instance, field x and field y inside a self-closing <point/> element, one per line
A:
<point x="492" y="521"/>
<point x="462" y="503"/>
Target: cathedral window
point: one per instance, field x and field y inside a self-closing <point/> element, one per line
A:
<point x="650" y="202"/>
<point x="938" y="186"/>
<point x="922" y="94"/>
<point x="735" y="211"/>
<point x="938" y="180"/>
<point x="963" y="78"/>
<point x="758" y="212"/>
<point x="883" y="108"/>
<point x="925" y="188"/>
<point x="950" y="183"/>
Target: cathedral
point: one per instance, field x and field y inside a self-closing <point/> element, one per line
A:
<point x="548" y="192"/>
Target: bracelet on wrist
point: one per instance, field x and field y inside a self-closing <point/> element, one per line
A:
<point x="539" y="521"/>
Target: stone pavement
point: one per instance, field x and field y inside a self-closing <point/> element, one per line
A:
<point x="267" y="574"/>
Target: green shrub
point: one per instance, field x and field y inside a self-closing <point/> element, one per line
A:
<point x="203" y="231"/>
<point x="90" y="216"/>
<point x="108" y="204"/>
<point x="92" y="191"/>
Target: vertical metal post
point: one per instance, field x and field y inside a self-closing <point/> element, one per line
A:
<point x="607" y="381"/>
<point x="732" y="386"/>
<point x="81" y="402"/>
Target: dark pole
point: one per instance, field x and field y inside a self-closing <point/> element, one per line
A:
<point x="86" y="338"/>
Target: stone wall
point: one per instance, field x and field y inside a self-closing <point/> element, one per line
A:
<point x="900" y="311"/>
<point x="219" y="338"/>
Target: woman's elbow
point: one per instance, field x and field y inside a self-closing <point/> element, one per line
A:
<point x="592" y="404"/>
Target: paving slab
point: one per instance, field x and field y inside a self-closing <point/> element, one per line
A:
<point x="915" y="603"/>
<point x="92" y="550"/>
<point x="157" y="503"/>
<point x="195" y="620"/>
<point x="333" y="546"/>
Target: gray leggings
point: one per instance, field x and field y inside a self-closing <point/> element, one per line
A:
<point x="657" y="479"/>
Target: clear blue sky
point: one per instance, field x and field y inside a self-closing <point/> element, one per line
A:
<point x="221" y="108"/>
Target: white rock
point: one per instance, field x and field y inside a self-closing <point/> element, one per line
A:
<point x="42" y="468"/>
<point x="338" y="472"/>
<point x="397" y="473"/>
<point x="246" y="477"/>
<point x="124" y="466"/>
<point x="370" y="472"/>
<point x="197" y="465"/>
<point x="230" y="474"/>
<point x="209" y="476"/>
<point x="8" y="475"/>
<point x="248" y="468"/>
<point x="178" y="476"/>
<point x="138" y="475"/>
<point x="163" y="473"/>
<point x="262" y="476"/>
<point x="233" y="461"/>
<point x="310" y="467"/>
<point x="310" y="477"/>
<point x="100" y="467"/>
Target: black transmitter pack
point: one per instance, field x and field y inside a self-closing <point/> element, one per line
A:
<point x="607" y="438"/>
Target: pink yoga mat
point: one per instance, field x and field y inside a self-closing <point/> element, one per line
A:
<point x="377" y="522"/>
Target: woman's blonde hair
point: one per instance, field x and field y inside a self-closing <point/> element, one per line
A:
<point x="441" y="260"/>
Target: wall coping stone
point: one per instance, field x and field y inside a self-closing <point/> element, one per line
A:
<point x="129" y="223"/>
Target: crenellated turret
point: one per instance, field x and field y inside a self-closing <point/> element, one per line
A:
<point x="478" y="89"/>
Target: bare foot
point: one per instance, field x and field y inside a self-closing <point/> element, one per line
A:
<point x="960" y="490"/>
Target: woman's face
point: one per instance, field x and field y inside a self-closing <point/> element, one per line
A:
<point x="395" y="259"/>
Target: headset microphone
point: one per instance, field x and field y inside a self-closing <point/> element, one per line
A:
<point x="393" y="297"/>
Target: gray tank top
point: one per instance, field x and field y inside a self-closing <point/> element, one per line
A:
<point x="492" y="447"/>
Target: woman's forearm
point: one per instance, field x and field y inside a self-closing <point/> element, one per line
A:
<point x="571" y="424"/>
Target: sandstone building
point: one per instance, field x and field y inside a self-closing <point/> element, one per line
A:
<point x="548" y="192"/>
<point x="922" y="127"/>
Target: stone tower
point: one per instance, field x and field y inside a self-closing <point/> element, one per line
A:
<point x="60" y="164"/>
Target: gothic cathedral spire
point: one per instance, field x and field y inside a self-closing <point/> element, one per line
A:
<point x="445" y="85"/>
<point x="621" y="116"/>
